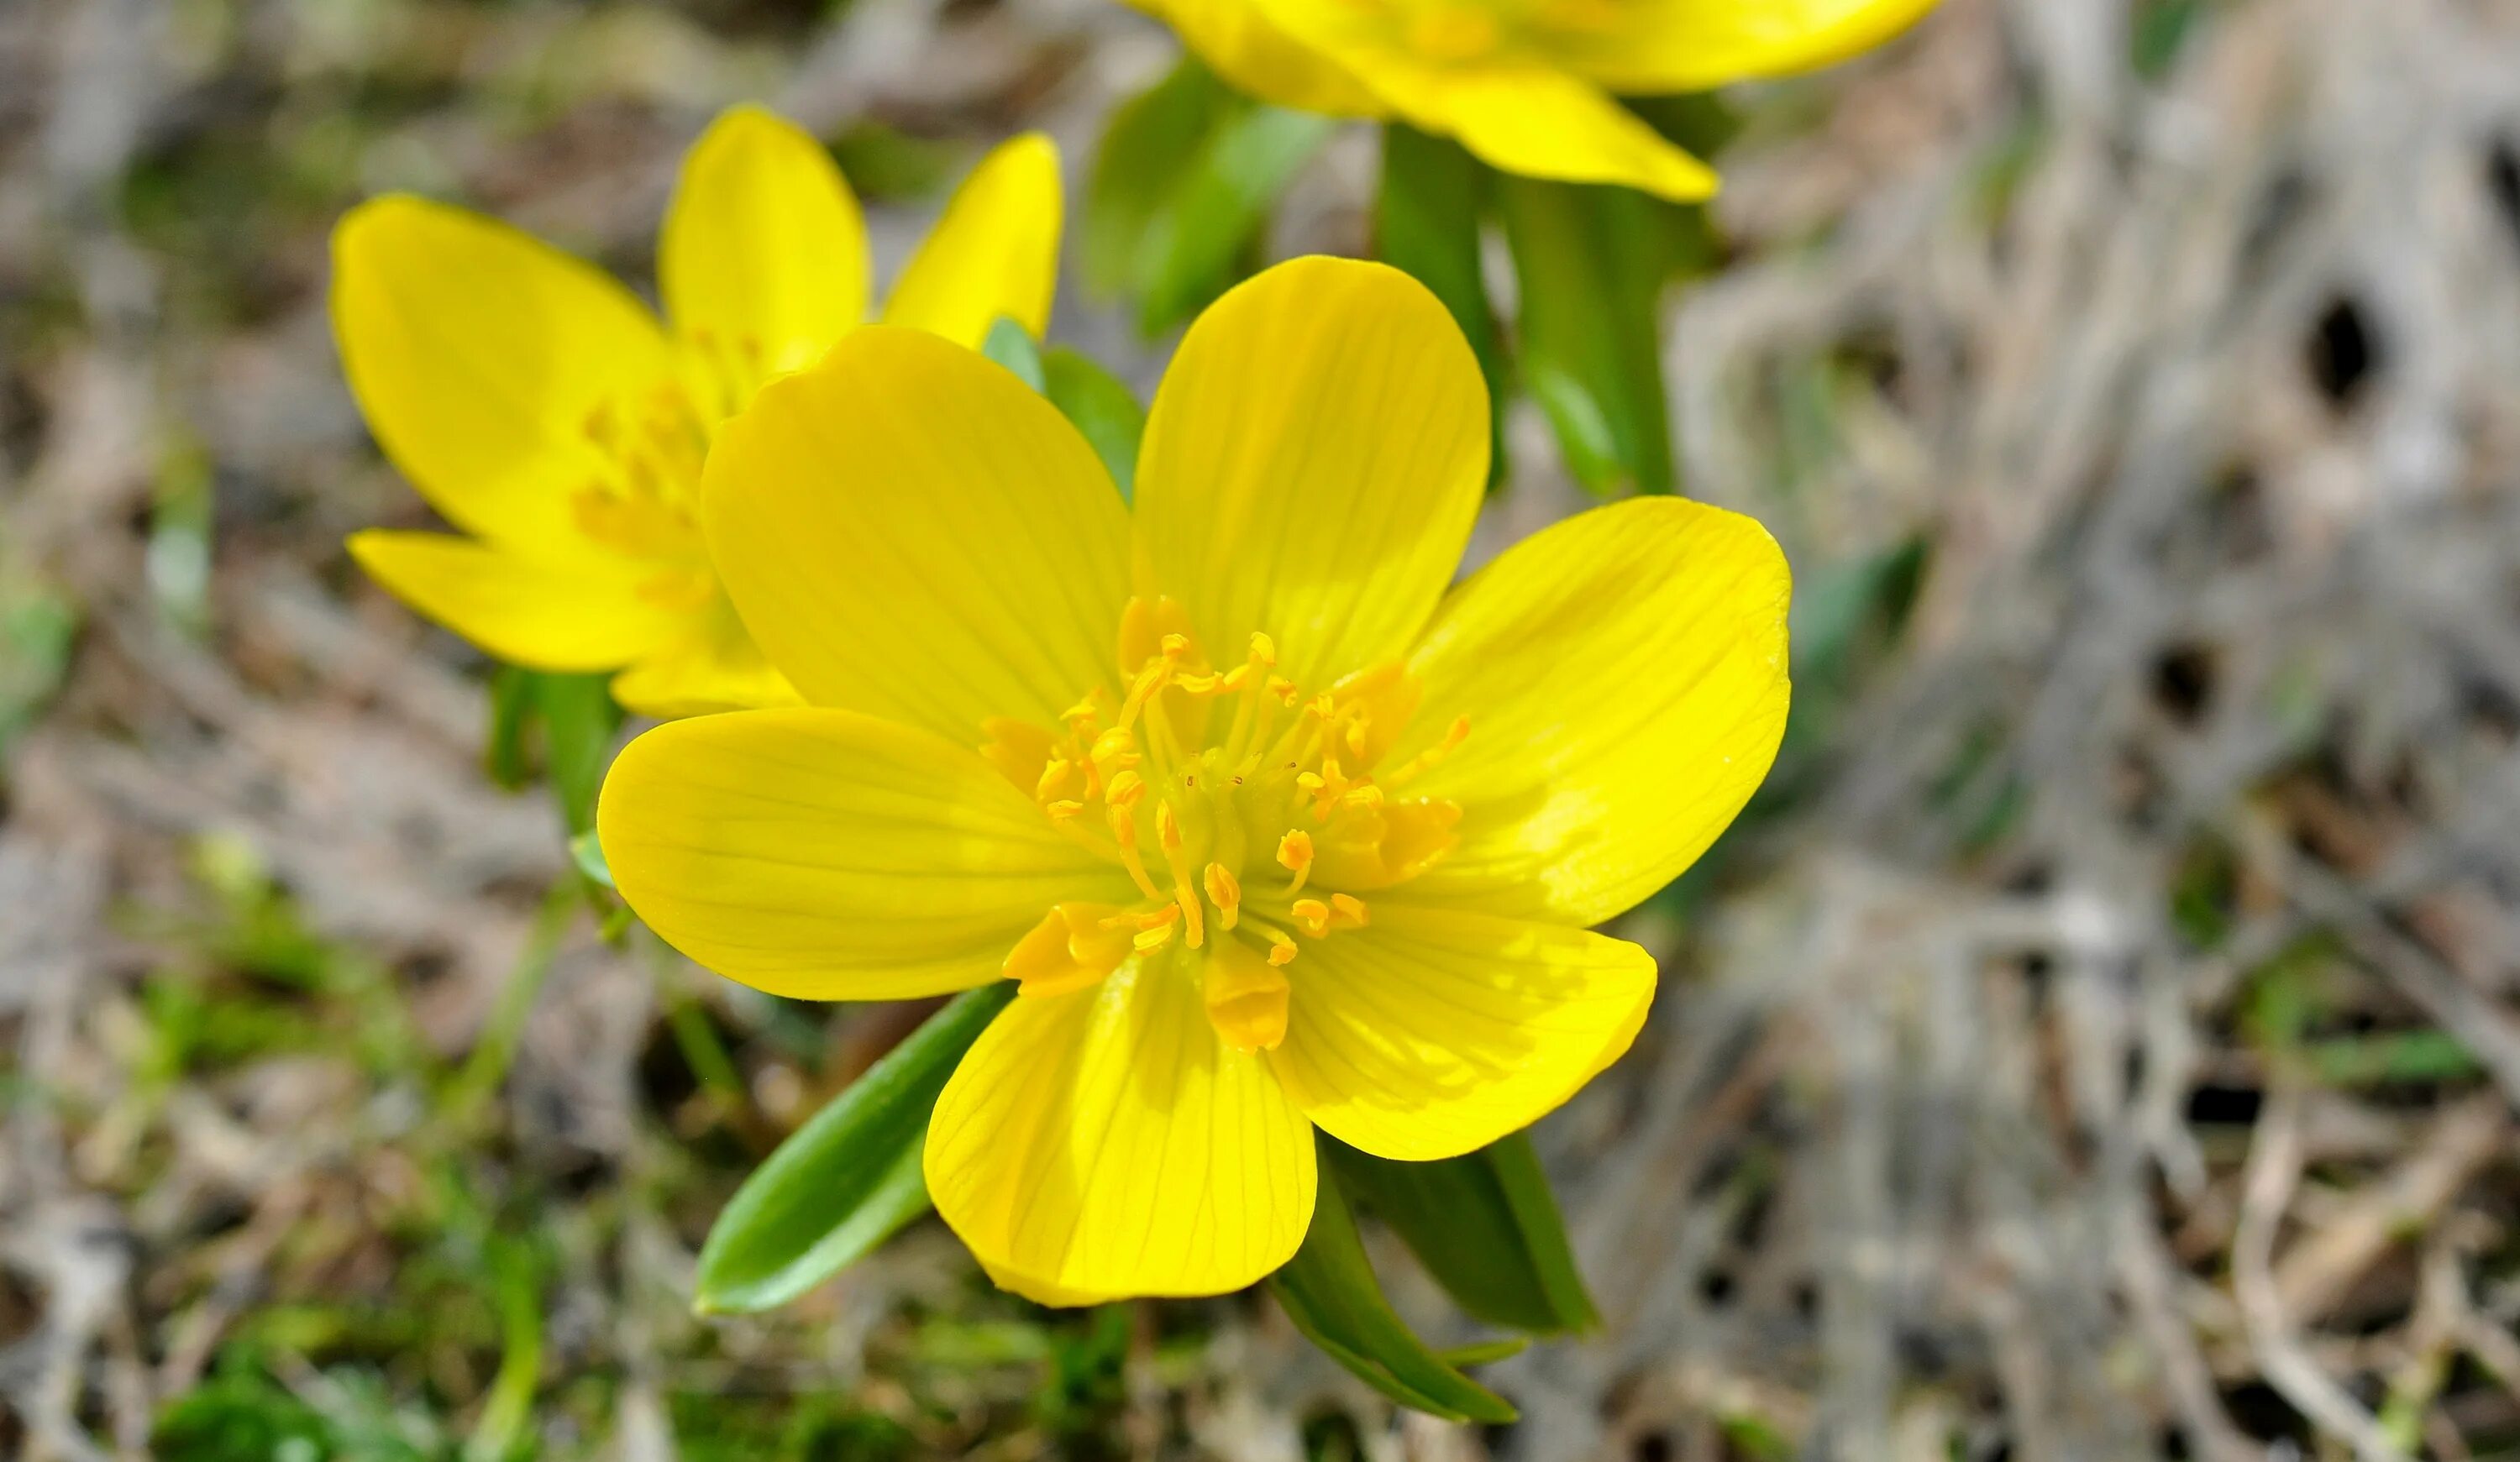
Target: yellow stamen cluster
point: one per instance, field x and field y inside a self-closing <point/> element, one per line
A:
<point x="1190" y="773"/>
<point x="643" y="501"/>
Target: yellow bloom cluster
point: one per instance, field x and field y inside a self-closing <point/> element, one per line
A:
<point x="1276" y="827"/>
<point x="1527" y="84"/>
<point x="544" y="409"/>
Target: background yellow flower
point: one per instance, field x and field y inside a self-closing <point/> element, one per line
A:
<point x="542" y="407"/>
<point x="1527" y="84"/>
<point x="1276" y="828"/>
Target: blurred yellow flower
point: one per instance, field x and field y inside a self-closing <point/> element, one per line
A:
<point x="547" y="413"/>
<point x="1275" y="830"/>
<point x="1527" y="84"/>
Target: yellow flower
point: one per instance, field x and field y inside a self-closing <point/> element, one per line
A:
<point x="545" y="411"/>
<point x="1526" y="84"/>
<point x="1275" y="830"/>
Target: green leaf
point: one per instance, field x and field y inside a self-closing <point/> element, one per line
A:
<point x="1329" y="1290"/>
<point x="587" y="852"/>
<point x="1701" y="122"/>
<point x="1147" y="148"/>
<point x="574" y="718"/>
<point x="578" y="719"/>
<point x="1185" y="177"/>
<point x="1198" y="244"/>
<point x="1011" y="345"/>
<point x="1103" y="408"/>
<point x="848" y="1178"/>
<point x="1592" y="262"/>
<point x="1485" y="1225"/>
<point x="1426" y="221"/>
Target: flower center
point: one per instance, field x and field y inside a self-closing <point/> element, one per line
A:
<point x="643" y="501"/>
<point x="1252" y="814"/>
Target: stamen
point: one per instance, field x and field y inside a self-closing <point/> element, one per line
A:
<point x="1072" y="947"/>
<point x="1226" y="894"/>
<point x="1124" y="831"/>
<point x="1160" y="934"/>
<point x="1295" y="854"/>
<point x="1347" y="911"/>
<point x="1168" y="833"/>
<point x="1281" y="949"/>
<point x="1313" y="916"/>
<point x="1454" y="736"/>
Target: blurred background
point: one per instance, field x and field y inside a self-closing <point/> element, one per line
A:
<point x="2099" y="1040"/>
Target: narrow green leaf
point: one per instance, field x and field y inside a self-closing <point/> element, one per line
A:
<point x="1485" y="1225"/>
<point x="847" y="1179"/>
<point x="1149" y="145"/>
<point x="1011" y="346"/>
<point x="1485" y="1352"/>
<point x="578" y="719"/>
<point x="1703" y="122"/>
<point x="504" y="756"/>
<point x="1329" y="1290"/>
<point x="1592" y="262"/>
<point x="1426" y="221"/>
<point x="1102" y="406"/>
<point x="1200" y="243"/>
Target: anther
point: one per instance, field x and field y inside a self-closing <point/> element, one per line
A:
<point x="1295" y="855"/>
<point x="1156" y="936"/>
<point x="1281" y="949"/>
<point x="1225" y="893"/>
<point x="1313" y="916"/>
<point x="1347" y="911"/>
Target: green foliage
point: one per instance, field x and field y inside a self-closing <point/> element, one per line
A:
<point x="848" y="1178"/>
<point x="242" y="1416"/>
<point x="1182" y="185"/>
<point x="2157" y="31"/>
<point x="884" y="164"/>
<point x="1011" y="345"/>
<point x="1103" y="408"/>
<point x="1485" y="1225"/>
<point x="1330" y="1291"/>
<point x="1592" y="263"/>
<point x="1428" y="221"/>
<point x="561" y="724"/>
<point x="38" y="627"/>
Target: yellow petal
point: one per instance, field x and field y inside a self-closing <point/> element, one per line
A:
<point x="828" y="855"/>
<point x="1432" y="1033"/>
<point x="995" y="251"/>
<point x="1694" y="45"/>
<point x="1240" y="43"/>
<point x="1106" y="1143"/>
<point x="1312" y="465"/>
<point x="1532" y="119"/>
<point x="477" y="353"/>
<point x="573" y="615"/>
<point x="711" y="666"/>
<point x="1624" y="676"/>
<point x="763" y="260"/>
<point x="911" y="531"/>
